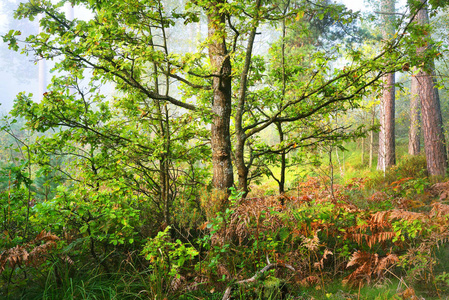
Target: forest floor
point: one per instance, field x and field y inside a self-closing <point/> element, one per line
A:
<point x="383" y="237"/>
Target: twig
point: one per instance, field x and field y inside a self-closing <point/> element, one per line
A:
<point x="253" y="279"/>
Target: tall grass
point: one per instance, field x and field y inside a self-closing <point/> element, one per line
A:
<point x="94" y="284"/>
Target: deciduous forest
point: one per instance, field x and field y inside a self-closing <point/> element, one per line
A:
<point x="225" y="149"/>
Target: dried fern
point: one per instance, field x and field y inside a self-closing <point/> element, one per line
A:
<point x="33" y="253"/>
<point x="369" y="266"/>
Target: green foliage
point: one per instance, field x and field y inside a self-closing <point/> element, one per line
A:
<point x="166" y="255"/>
<point x="13" y="203"/>
<point x="106" y="215"/>
<point x="409" y="167"/>
<point x="105" y="173"/>
<point x="405" y="229"/>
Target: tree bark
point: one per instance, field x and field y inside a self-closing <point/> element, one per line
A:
<point x="281" y="181"/>
<point x="164" y="132"/>
<point x="221" y="106"/>
<point x="389" y="119"/>
<point x="387" y="156"/>
<point x="432" y="125"/>
<point x="363" y="150"/>
<point x="381" y="151"/>
<point x="241" y="136"/>
<point x="414" y="132"/>
<point x="371" y="139"/>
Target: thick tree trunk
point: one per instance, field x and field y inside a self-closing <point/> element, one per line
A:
<point x="414" y="132"/>
<point x="387" y="156"/>
<point x="432" y="124"/>
<point x="434" y="142"/>
<point x="221" y="106"/>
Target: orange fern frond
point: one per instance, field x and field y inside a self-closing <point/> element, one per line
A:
<point x="359" y="258"/>
<point x="357" y="237"/>
<point x="439" y="210"/>
<point x="380" y="219"/>
<point x="384" y="236"/>
<point x="406" y="215"/>
<point x="384" y="263"/>
<point x="369" y="265"/>
<point x="13" y="257"/>
<point x="33" y="253"/>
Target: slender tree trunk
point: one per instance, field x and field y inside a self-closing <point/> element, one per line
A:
<point x="279" y="125"/>
<point x="414" y="133"/>
<point x="387" y="156"/>
<point x="371" y="140"/>
<point x="363" y="150"/>
<point x="221" y="106"/>
<point x="331" y="175"/>
<point x="164" y="132"/>
<point x="164" y="114"/>
<point x="164" y="171"/>
<point x="281" y="181"/>
<point x="432" y="124"/>
<point x="241" y="137"/>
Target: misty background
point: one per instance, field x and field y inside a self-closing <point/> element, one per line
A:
<point x="17" y="72"/>
<point x="20" y="72"/>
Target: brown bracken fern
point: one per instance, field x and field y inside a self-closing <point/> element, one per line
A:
<point x="370" y="266"/>
<point x="30" y="254"/>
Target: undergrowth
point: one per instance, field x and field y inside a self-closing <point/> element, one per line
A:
<point x="379" y="238"/>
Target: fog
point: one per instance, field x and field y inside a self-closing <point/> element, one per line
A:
<point x="20" y="73"/>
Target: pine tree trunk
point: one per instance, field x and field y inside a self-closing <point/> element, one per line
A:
<point x="432" y="125"/>
<point x="381" y="151"/>
<point x="414" y="133"/>
<point x="389" y="130"/>
<point x="387" y="156"/>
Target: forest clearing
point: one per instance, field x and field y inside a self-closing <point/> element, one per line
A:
<point x="225" y="149"/>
